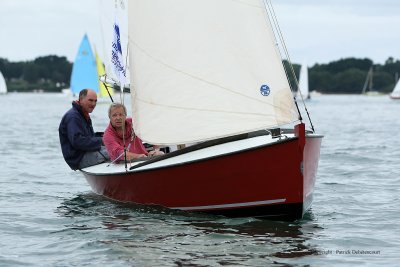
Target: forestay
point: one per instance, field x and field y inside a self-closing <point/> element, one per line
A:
<point x="203" y="69"/>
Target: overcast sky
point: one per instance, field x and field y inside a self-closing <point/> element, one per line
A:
<point x="316" y="31"/>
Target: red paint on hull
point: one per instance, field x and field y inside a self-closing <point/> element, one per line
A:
<point x="270" y="172"/>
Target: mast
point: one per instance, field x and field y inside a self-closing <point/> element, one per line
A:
<point x="368" y="84"/>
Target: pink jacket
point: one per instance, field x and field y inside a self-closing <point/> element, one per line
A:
<point x="115" y="145"/>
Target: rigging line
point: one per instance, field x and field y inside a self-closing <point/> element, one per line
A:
<point x="117" y="158"/>
<point x="281" y="39"/>
<point x="121" y="96"/>
<point x="127" y="56"/>
<point x="121" y="87"/>
<point x="106" y="86"/>
<point x="290" y="64"/>
<point x="275" y="29"/>
<point x="288" y="57"/>
<point x="123" y="128"/>
<point x="268" y="11"/>
<point x="276" y="32"/>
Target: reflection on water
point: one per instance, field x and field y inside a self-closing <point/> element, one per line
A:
<point x="187" y="238"/>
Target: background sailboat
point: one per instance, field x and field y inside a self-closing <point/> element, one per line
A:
<point x="3" y="85"/>
<point x="368" y="88"/>
<point x="395" y="94"/>
<point x="84" y="70"/>
<point x="88" y="66"/>
<point x="87" y="69"/>
<point x="303" y="82"/>
<point x="104" y="93"/>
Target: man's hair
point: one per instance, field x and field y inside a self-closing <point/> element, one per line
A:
<point x="83" y="93"/>
<point x="115" y="105"/>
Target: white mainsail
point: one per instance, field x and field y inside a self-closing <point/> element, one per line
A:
<point x="303" y="81"/>
<point x="199" y="68"/>
<point x="3" y="85"/>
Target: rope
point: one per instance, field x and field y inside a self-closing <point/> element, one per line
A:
<point x="269" y="8"/>
<point x="108" y="91"/>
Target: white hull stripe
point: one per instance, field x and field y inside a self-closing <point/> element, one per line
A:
<point x="233" y="205"/>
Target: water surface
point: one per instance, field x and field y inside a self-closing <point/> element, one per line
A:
<point x="50" y="217"/>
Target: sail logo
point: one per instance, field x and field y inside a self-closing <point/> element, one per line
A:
<point x="116" y="54"/>
<point x="265" y="90"/>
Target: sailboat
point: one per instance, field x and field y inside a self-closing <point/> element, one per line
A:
<point x="87" y="69"/>
<point x="369" y="84"/>
<point x="208" y="73"/>
<point x="105" y="89"/>
<point x="84" y="69"/>
<point x="303" y="82"/>
<point x="395" y="94"/>
<point x="3" y="85"/>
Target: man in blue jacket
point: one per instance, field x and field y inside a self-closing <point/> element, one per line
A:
<point x="80" y="146"/>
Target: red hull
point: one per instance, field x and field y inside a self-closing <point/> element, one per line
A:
<point x="260" y="181"/>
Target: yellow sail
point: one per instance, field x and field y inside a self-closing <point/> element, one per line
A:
<point x="101" y="71"/>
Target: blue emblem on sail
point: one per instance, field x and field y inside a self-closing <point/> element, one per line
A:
<point x="116" y="54"/>
<point x="265" y="90"/>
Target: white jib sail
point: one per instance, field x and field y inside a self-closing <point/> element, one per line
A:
<point x="203" y="69"/>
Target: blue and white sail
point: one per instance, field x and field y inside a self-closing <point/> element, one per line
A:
<point x="116" y="55"/>
<point x="84" y="70"/>
<point x="110" y="13"/>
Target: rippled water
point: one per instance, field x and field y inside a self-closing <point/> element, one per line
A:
<point x="49" y="217"/>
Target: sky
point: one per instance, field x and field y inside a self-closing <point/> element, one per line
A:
<point x="315" y="31"/>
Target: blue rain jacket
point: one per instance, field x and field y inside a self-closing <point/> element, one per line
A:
<point x="77" y="136"/>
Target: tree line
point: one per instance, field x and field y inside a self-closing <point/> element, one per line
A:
<point x="49" y="73"/>
<point x="347" y="76"/>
